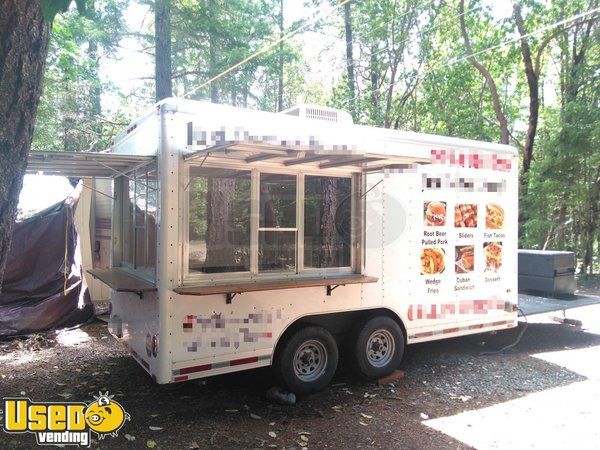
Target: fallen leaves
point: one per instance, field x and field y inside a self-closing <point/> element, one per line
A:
<point x="150" y="444"/>
<point x="153" y="428"/>
<point x="272" y="434"/>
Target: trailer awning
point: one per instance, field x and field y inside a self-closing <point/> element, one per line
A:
<point x="85" y="164"/>
<point x="287" y="156"/>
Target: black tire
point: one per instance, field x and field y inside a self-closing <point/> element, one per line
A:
<point x="386" y="341"/>
<point x="320" y="360"/>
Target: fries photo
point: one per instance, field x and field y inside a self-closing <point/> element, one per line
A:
<point x="432" y="261"/>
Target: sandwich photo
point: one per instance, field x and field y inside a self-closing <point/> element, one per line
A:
<point x="435" y="214"/>
<point x="464" y="259"/>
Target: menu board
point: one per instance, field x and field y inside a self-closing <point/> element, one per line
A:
<point x="461" y="230"/>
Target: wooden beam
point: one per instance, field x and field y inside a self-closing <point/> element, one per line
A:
<point x="269" y="155"/>
<point x="348" y="162"/>
<point x="200" y="153"/>
<point x="308" y="159"/>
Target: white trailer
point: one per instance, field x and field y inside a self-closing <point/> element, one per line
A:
<point x="244" y="239"/>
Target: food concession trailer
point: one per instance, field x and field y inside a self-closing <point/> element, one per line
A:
<point x="244" y="239"/>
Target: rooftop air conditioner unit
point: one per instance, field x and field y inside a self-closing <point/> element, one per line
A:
<point x="322" y="113"/>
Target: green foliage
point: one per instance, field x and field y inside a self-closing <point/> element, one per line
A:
<point x="410" y="71"/>
<point x="51" y="8"/>
<point x="70" y="115"/>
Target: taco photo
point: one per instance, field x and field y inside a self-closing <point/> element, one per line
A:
<point x="494" y="216"/>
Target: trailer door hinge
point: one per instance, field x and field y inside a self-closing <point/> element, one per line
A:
<point x="229" y="297"/>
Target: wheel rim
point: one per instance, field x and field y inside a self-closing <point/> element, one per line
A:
<point x="310" y="360"/>
<point x="380" y="348"/>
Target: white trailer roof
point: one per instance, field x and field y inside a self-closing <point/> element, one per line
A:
<point x="226" y="133"/>
<point x="220" y="124"/>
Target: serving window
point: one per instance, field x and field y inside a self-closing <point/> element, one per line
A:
<point x="254" y="222"/>
<point x="138" y="203"/>
<point x="218" y="220"/>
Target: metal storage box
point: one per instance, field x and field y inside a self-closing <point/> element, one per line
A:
<point x="551" y="272"/>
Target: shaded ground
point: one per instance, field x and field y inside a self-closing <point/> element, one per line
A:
<point x="588" y="284"/>
<point x="442" y="378"/>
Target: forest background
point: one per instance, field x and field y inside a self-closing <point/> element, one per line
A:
<point x="523" y="73"/>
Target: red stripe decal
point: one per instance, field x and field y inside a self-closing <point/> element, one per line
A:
<point x="239" y="362"/>
<point x="193" y="369"/>
<point x="450" y="330"/>
<point x="180" y="378"/>
<point x="502" y="322"/>
<point x="474" y="327"/>
<point x="145" y="364"/>
<point x="427" y="334"/>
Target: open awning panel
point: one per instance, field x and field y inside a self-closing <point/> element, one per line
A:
<point x="251" y="153"/>
<point x="85" y="164"/>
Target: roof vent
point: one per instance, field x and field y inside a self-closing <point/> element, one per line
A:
<point x="322" y="113"/>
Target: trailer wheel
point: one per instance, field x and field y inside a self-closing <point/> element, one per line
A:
<point x="307" y="360"/>
<point x="379" y="347"/>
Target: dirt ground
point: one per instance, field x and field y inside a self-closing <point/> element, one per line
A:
<point x="442" y="378"/>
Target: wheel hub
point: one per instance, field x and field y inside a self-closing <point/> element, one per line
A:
<point x="310" y="360"/>
<point x="380" y="348"/>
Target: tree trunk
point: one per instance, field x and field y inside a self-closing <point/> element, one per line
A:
<point x="500" y="116"/>
<point x="220" y="252"/>
<point x="387" y="119"/>
<point x="162" y="34"/>
<point x="23" y="47"/>
<point x="212" y="52"/>
<point x="280" y="62"/>
<point x="328" y="226"/>
<point x="350" y="61"/>
<point x="374" y="80"/>
<point x="534" y="97"/>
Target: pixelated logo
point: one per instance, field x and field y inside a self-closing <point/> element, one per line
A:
<point x="65" y="423"/>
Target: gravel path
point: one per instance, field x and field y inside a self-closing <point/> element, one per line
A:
<point x="442" y="379"/>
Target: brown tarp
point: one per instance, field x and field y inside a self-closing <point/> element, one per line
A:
<point x="43" y="283"/>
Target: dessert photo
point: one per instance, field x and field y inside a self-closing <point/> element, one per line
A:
<point x="493" y="255"/>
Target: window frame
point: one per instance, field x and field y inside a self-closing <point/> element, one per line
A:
<point x="190" y="278"/>
<point x="121" y="189"/>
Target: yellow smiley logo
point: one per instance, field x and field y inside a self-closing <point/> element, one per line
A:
<point x="105" y="416"/>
